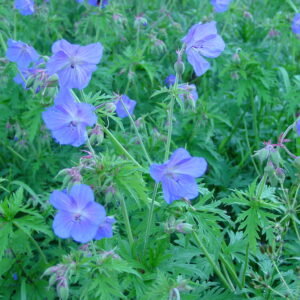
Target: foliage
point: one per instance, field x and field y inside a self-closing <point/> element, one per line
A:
<point x="239" y="239"/>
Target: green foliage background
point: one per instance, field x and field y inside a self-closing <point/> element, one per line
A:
<point x="246" y="218"/>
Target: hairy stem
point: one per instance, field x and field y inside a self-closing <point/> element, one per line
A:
<point x="211" y="261"/>
<point x="120" y="147"/>
<point x="150" y="216"/>
<point x="126" y="219"/>
<point x="137" y="132"/>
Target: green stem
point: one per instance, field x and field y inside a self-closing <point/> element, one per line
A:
<point x="292" y="5"/>
<point x="3" y="45"/>
<point x="170" y="127"/>
<point x="227" y="276"/>
<point x="231" y="271"/>
<point x="261" y="186"/>
<point x="34" y="242"/>
<point x="245" y="266"/>
<point x="126" y="220"/>
<point x="254" y="116"/>
<point x="15" y="25"/>
<point x="137" y="132"/>
<point x="150" y="216"/>
<point x="282" y="279"/>
<point x="88" y="143"/>
<point x="211" y="261"/>
<point x="296" y="229"/>
<point x="121" y="148"/>
<point x="249" y="147"/>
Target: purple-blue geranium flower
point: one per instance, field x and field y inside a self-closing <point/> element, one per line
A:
<point x="190" y="92"/>
<point x="74" y="64"/>
<point x="25" y="7"/>
<point x="220" y="5"/>
<point x="170" y="80"/>
<point x="68" y="119"/>
<point x="178" y="174"/>
<point x="21" y="53"/>
<point x="78" y="216"/>
<point x="296" y="24"/>
<point x="105" y="229"/>
<point x="298" y="127"/>
<point x="104" y="3"/>
<point x="203" y="40"/>
<point x="130" y="105"/>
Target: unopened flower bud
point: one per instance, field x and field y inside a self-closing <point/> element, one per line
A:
<point x="248" y="15"/>
<point x="110" y="107"/>
<point x="179" y="65"/>
<point x="63" y="289"/>
<point x="275" y="157"/>
<point x="97" y="135"/>
<point x="280" y="174"/>
<point x="140" y="20"/>
<point x="184" y="227"/>
<point x="236" y="57"/>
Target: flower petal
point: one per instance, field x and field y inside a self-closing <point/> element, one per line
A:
<point x="177" y="156"/>
<point x="55" y="118"/>
<point x="83" y="231"/>
<point x="69" y="135"/>
<point x="194" y="166"/>
<point x="105" y="229"/>
<point x="199" y="64"/>
<point x="77" y="76"/>
<point x="183" y="186"/>
<point x="95" y="213"/>
<point x="91" y="54"/>
<point x="61" y="200"/>
<point x="82" y="195"/>
<point x="57" y="62"/>
<point x="157" y="171"/>
<point x="212" y="47"/>
<point x="62" y="224"/>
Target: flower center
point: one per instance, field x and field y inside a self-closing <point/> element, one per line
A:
<point x="73" y="124"/>
<point x="77" y="218"/>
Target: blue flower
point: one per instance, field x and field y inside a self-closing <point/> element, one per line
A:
<point x="220" y="5"/>
<point x="203" y="40"/>
<point x="74" y="64"/>
<point x="105" y="229"/>
<point x="178" y="174"/>
<point x="104" y="3"/>
<point x="170" y="80"/>
<point x="130" y="105"/>
<point x="68" y="119"/>
<point x="296" y="24"/>
<point x="21" y="53"/>
<point x="26" y="7"/>
<point x="298" y="127"/>
<point x="78" y="216"/>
